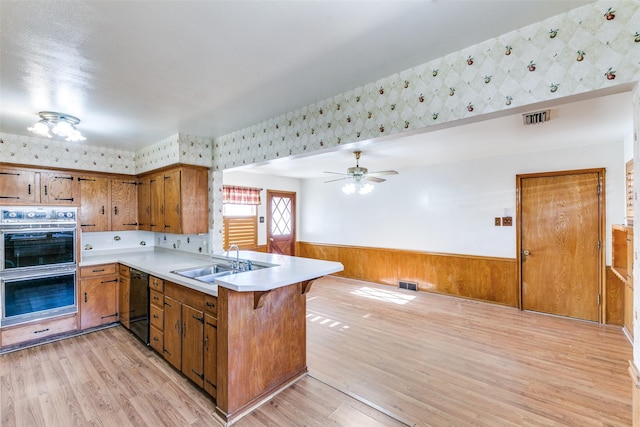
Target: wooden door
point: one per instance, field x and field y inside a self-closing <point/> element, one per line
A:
<point x="172" y="332"/>
<point x="123" y="301"/>
<point x="144" y="204"/>
<point x="98" y="304"/>
<point x="172" y="202"/>
<point x="192" y="344"/>
<point x="560" y="238"/>
<point x="210" y="354"/>
<point x="94" y="198"/>
<point x="17" y="186"/>
<point x="57" y="188"/>
<point x="281" y="222"/>
<point x="156" y="190"/>
<point x="124" y="205"/>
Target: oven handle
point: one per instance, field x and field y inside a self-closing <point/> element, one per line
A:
<point x="22" y="275"/>
<point x="36" y="230"/>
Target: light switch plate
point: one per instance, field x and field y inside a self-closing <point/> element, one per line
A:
<point x="507" y="221"/>
<point x="497" y="222"/>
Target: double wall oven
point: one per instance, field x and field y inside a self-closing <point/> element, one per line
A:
<point x="37" y="263"/>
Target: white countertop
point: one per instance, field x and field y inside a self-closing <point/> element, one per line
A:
<point x="159" y="262"/>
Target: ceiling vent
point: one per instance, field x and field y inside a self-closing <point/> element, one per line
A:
<point x="536" y="117"/>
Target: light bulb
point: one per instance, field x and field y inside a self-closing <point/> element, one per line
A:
<point x="40" y="128"/>
<point x="62" y="128"/>
<point x="366" y="188"/>
<point x="349" y="188"/>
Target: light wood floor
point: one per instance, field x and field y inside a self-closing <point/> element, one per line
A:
<point x="432" y="361"/>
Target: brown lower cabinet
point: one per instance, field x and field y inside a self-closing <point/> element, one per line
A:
<point x="98" y="295"/>
<point x="123" y="295"/>
<point x="184" y="330"/>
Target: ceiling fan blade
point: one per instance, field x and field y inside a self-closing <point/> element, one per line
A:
<point x="389" y="172"/>
<point x="338" y="179"/>
<point x="335" y="173"/>
<point x="373" y="179"/>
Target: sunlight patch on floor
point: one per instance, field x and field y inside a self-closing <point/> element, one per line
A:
<point x="326" y="321"/>
<point x="384" y="295"/>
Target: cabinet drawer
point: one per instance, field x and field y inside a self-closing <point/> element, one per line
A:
<point x="35" y="331"/>
<point x="98" y="270"/>
<point x="156" y="284"/>
<point x="211" y="305"/>
<point x="156" y="317"/>
<point x="156" y="339"/>
<point x="124" y="270"/>
<point x="156" y="298"/>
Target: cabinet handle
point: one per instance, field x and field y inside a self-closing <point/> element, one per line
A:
<point x="40" y="331"/>
<point x="87" y="225"/>
<point x="109" y="281"/>
<point x="10" y="173"/>
<point x="86" y="179"/>
<point x="178" y="326"/>
<point x="156" y="339"/>
<point x="167" y="304"/>
<point x="210" y="304"/>
<point x="155" y="316"/>
<point x="29" y="189"/>
<point x="70" y="199"/>
<point x="64" y="177"/>
<point x="85" y="297"/>
<point x="97" y="270"/>
<point x="206" y="343"/>
<point x="45" y="191"/>
<point x="103" y="210"/>
<point x="9" y="197"/>
<point x="184" y="330"/>
<point x="199" y="319"/>
<point x="115" y="210"/>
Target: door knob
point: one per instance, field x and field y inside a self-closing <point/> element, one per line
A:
<point x="526" y="252"/>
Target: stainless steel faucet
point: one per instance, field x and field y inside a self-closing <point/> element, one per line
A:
<point x="237" y="264"/>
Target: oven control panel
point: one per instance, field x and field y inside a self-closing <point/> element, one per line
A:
<point x="37" y="215"/>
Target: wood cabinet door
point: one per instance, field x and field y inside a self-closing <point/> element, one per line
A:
<point x="156" y="191"/>
<point x="124" y="205"/>
<point x="210" y="354"/>
<point x="123" y="301"/>
<point x="192" y="344"/>
<point x="94" y="197"/>
<point x="17" y="186"/>
<point x="58" y="188"/>
<point x="172" y="332"/>
<point x="98" y="301"/>
<point x="144" y="204"/>
<point x="172" y="209"/>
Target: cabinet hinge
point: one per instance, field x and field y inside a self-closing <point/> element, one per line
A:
<point x="599" y="188"/>
<point x="199" y="319"/>
<point x="598" y="299"/>
<point x="201" y="376"/>
<point x="599" y="245"/>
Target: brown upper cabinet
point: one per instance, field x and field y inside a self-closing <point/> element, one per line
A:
<point x="107" y="204"/>
<point x="24" y="186"/>
<point x="170" y="200"/>
<point x="177" y="200"/>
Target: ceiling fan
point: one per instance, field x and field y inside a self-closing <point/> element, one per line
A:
<point x="358" y="175"/>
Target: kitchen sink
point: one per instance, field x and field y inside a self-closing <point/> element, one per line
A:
<point x="204" y="271"/>
<point x="209" y="273"/>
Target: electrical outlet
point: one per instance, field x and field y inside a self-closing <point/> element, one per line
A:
<point x="497" y="222"/>
<point x="507" y="221"/>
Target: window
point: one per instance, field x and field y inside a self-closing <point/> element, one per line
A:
<point x="240" y="215"/>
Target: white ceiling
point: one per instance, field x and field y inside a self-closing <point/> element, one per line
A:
<point x="136" y="72"/>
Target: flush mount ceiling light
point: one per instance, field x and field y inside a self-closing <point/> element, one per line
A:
<point x="62" y="125"/>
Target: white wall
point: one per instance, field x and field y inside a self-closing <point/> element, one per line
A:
<point x="266" y="182"/>
<point x="451" y="207"/>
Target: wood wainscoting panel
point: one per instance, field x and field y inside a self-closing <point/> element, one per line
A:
<point x="615" y="299"/>
<point x="483" y="278"/>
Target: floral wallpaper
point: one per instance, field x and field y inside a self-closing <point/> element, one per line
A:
<point x="66" y="155"/>
<point x="589" y="48"/>
<point x="178" y="148"/>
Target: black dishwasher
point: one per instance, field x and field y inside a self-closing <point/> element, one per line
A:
<point x="139" y="305"/>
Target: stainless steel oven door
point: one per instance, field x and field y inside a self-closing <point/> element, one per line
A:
<point x="38" y="295"/>
<point x="28" y="248"/>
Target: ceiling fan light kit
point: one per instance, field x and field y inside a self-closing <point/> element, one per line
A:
<point x="358" y="176"/>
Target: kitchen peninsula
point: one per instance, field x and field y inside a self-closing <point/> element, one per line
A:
<point x="251" y="325"/>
